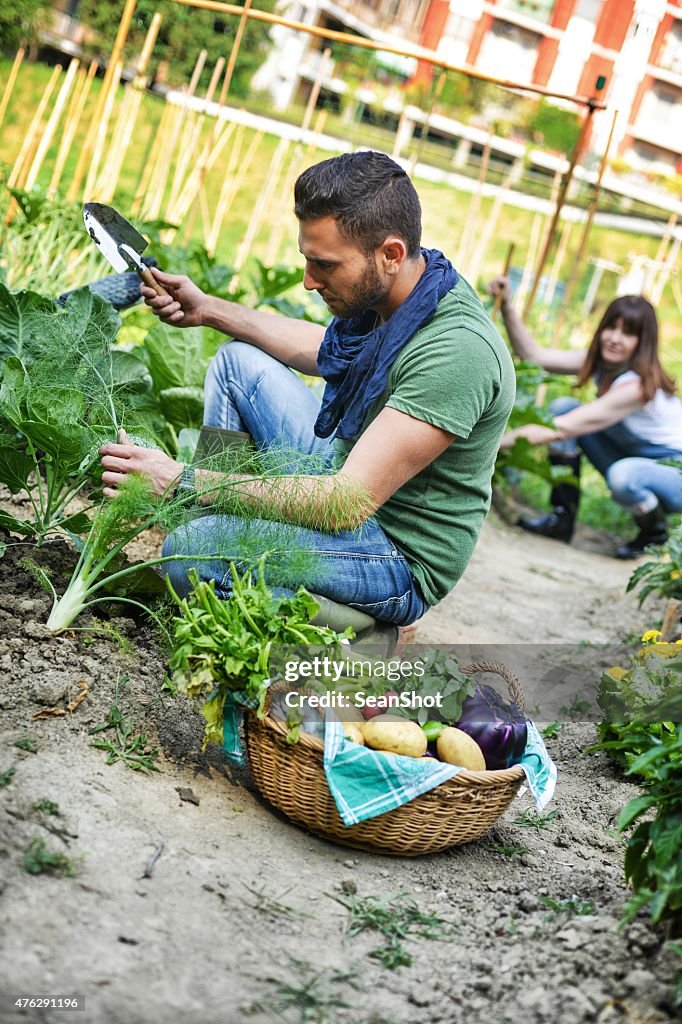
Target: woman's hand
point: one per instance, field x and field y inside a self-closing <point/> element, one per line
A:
<point x="534" y="433"/>
<point x="185" y="304"/>
<point x="501" y="286"/>
<point x="125" y="457"/>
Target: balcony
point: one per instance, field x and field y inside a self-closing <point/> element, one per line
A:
<point x="402" y="18"/>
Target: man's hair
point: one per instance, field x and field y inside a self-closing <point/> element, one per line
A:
<point x="369" y="195"/>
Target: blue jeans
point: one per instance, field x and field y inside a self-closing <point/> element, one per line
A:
<point x="248" y="390"/>
<point x="628" y="463"/>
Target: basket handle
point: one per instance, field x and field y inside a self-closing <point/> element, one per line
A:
<point x="514" y="688"/>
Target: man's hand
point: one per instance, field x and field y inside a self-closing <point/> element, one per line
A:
<point x="185" y="304"/>
<point x="125" y="457"/>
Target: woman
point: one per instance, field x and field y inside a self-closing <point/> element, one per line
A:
<point x="633" y="424"/>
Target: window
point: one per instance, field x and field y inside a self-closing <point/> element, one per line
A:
<point x="541" y="10"/>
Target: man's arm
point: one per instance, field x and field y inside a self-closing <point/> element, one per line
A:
<point x="391" y="451"/>
<point x="294" y="342"/>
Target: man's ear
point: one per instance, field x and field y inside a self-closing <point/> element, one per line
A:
<point x="393" y="254"/>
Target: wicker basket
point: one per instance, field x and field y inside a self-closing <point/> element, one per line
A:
<point x="291" y="778"/>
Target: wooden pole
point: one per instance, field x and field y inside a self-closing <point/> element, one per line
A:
<point x="102" y="130"/>
<point x="73" y="119"/>
<point x="208" y="157"/>
<point x="227" y="192"/>
<point x="128" y="115"/>
<point x="31" y="137"/>
<point x="469" y="226"/>
<point x="185" y="146"/>
<point x="665" y="271"/>
<point x="9" y="87"/>
<point x="561" y="199"/>
<point x="491" y="223"/>
<point x="429" y="56"/>
<point x="86" y="152"/>
<point x="497" y="305"/>
<point x="156" y="143"/>
<point x="52" y="123"/>
<point x="233" y="52"/>
<point x="558" y="262"/>
<point x="531" y="255"/>
<point x="436" y="91"/>
<point x="315" y="91"/>
<point x="262" y="204"/>
<point x="584" y="238"/>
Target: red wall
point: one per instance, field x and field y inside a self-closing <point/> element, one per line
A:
<point x="614" y="22"/>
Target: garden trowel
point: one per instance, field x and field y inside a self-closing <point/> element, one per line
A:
<point x="119" y="242"/>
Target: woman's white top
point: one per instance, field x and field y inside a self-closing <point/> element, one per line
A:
<point x="659" y="421"/>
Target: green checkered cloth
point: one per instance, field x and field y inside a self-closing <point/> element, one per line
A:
<point x="365" y="783"/>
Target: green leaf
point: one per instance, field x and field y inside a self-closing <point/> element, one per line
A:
<point x="178" y="358"/>
<point x="10" y="522"/>
<point x="79" y="522"/>
<point x="21" y="319"/>
<point x="129" y="373"/>
<point x="633" y="810"/>
<point x="183" y="407"/>
<point x="15" y="465"/>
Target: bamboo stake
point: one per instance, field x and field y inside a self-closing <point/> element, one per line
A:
<point x="279" y="218"/>
<point x="102" y="129"/>
<point x="207" y="159"/>
<point x="88" y="146"/>
<point x="561" y="199"/>
<point x="497" y="305"/>
<point x="73" y="119"/>
<point x="186" y="147"/>
<point x="52" y="123"/>
<point x="665" y="240"/>
<point x="9" y="87"/>
<point x="234" y="51"/>
<point x="533" y="243"/>
<point x="190" y="147"/>
<point x="436" y="91"/>
<point x="227" y="192"/>
<point x="315" y="91"/>
<point x="469" y="226"/>
<point x="128" y="115"/>
<point x="31" y="137"/>
<point x="490" y="225"/>
<point x="155" y="142"/>
<point x="161" y="166"/>
<point x="429" y="56"/>
<point x="592" y="209"/>
<point x="665" y="271"/>
<point x="558" y="262"/>
<point x="262" y="203"/>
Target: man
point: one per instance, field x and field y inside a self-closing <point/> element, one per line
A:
<point x="419" y="389"/>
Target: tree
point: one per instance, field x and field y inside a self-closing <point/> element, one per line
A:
<point x="184" y="32"/>
<point x="19" y="22"/>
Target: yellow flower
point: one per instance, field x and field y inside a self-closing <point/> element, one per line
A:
<point x="616" y="672"/>
<point x="678" y="641"/>
<point x="665" y="557"/>
<point x="675" y="574"/>
<point x="650" y="636"/>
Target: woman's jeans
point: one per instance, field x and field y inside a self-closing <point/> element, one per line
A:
<point x="629" y="464"/>
<point x="248" y="390"/>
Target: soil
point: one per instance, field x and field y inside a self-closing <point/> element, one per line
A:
<point x="193" y="901"/>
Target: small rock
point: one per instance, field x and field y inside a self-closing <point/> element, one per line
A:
<point x="639" y="981"/>
<point x="528" y="903"/>
<point x="528" y="860"/>
<point x="36" y="631"/>
<point x="349" y="864"/>
<point x="28" y="605"/>
<point x="571" y="938"/>
<point x="187" y="795"/>
<point x="48" y="690"/>
<point x="349" y="887"/>
<point x="562" y="841"/>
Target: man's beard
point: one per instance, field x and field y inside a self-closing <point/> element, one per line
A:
<point x="366" y="294"/>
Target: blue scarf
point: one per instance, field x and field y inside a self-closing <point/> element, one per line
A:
<point x="355" y="358"/>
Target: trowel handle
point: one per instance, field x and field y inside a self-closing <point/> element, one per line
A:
<point x="151" y="281"/>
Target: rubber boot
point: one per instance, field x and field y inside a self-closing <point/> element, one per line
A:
<point x="560" y="522"/>
<point x="652" y="530"/>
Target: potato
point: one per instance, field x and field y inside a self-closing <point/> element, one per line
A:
<point x="456" y="747"/>
<point x="394" y="735"/>
<point x="349" y="713"/>
<point x="354" y="733"/>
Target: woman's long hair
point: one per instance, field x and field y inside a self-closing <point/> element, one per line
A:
<point x="639" y="318"/>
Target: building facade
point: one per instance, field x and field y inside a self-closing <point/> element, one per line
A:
<point x="564" y="45"/>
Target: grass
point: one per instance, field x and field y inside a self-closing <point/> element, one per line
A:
<point x="39" y="860"/>
<point x="6" y="777"/>
<point x="27" y="743"/>
<point x="532" y="819"/>
<point x="571" y="907"/>
<point x="307" y="995"/>
<point x="273" y="904"/>
<point x="396" y="918"/>
<point x="444" y="208"/>
<point x="124" y="744"/>
<point x="509" y="851"/>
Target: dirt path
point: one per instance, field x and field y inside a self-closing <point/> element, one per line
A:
<point x="206" y="939"/>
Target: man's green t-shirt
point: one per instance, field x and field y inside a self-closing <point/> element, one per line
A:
<point x="456" y="374"/>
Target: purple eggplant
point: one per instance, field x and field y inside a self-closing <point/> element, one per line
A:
<point x="497" y="725"/>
